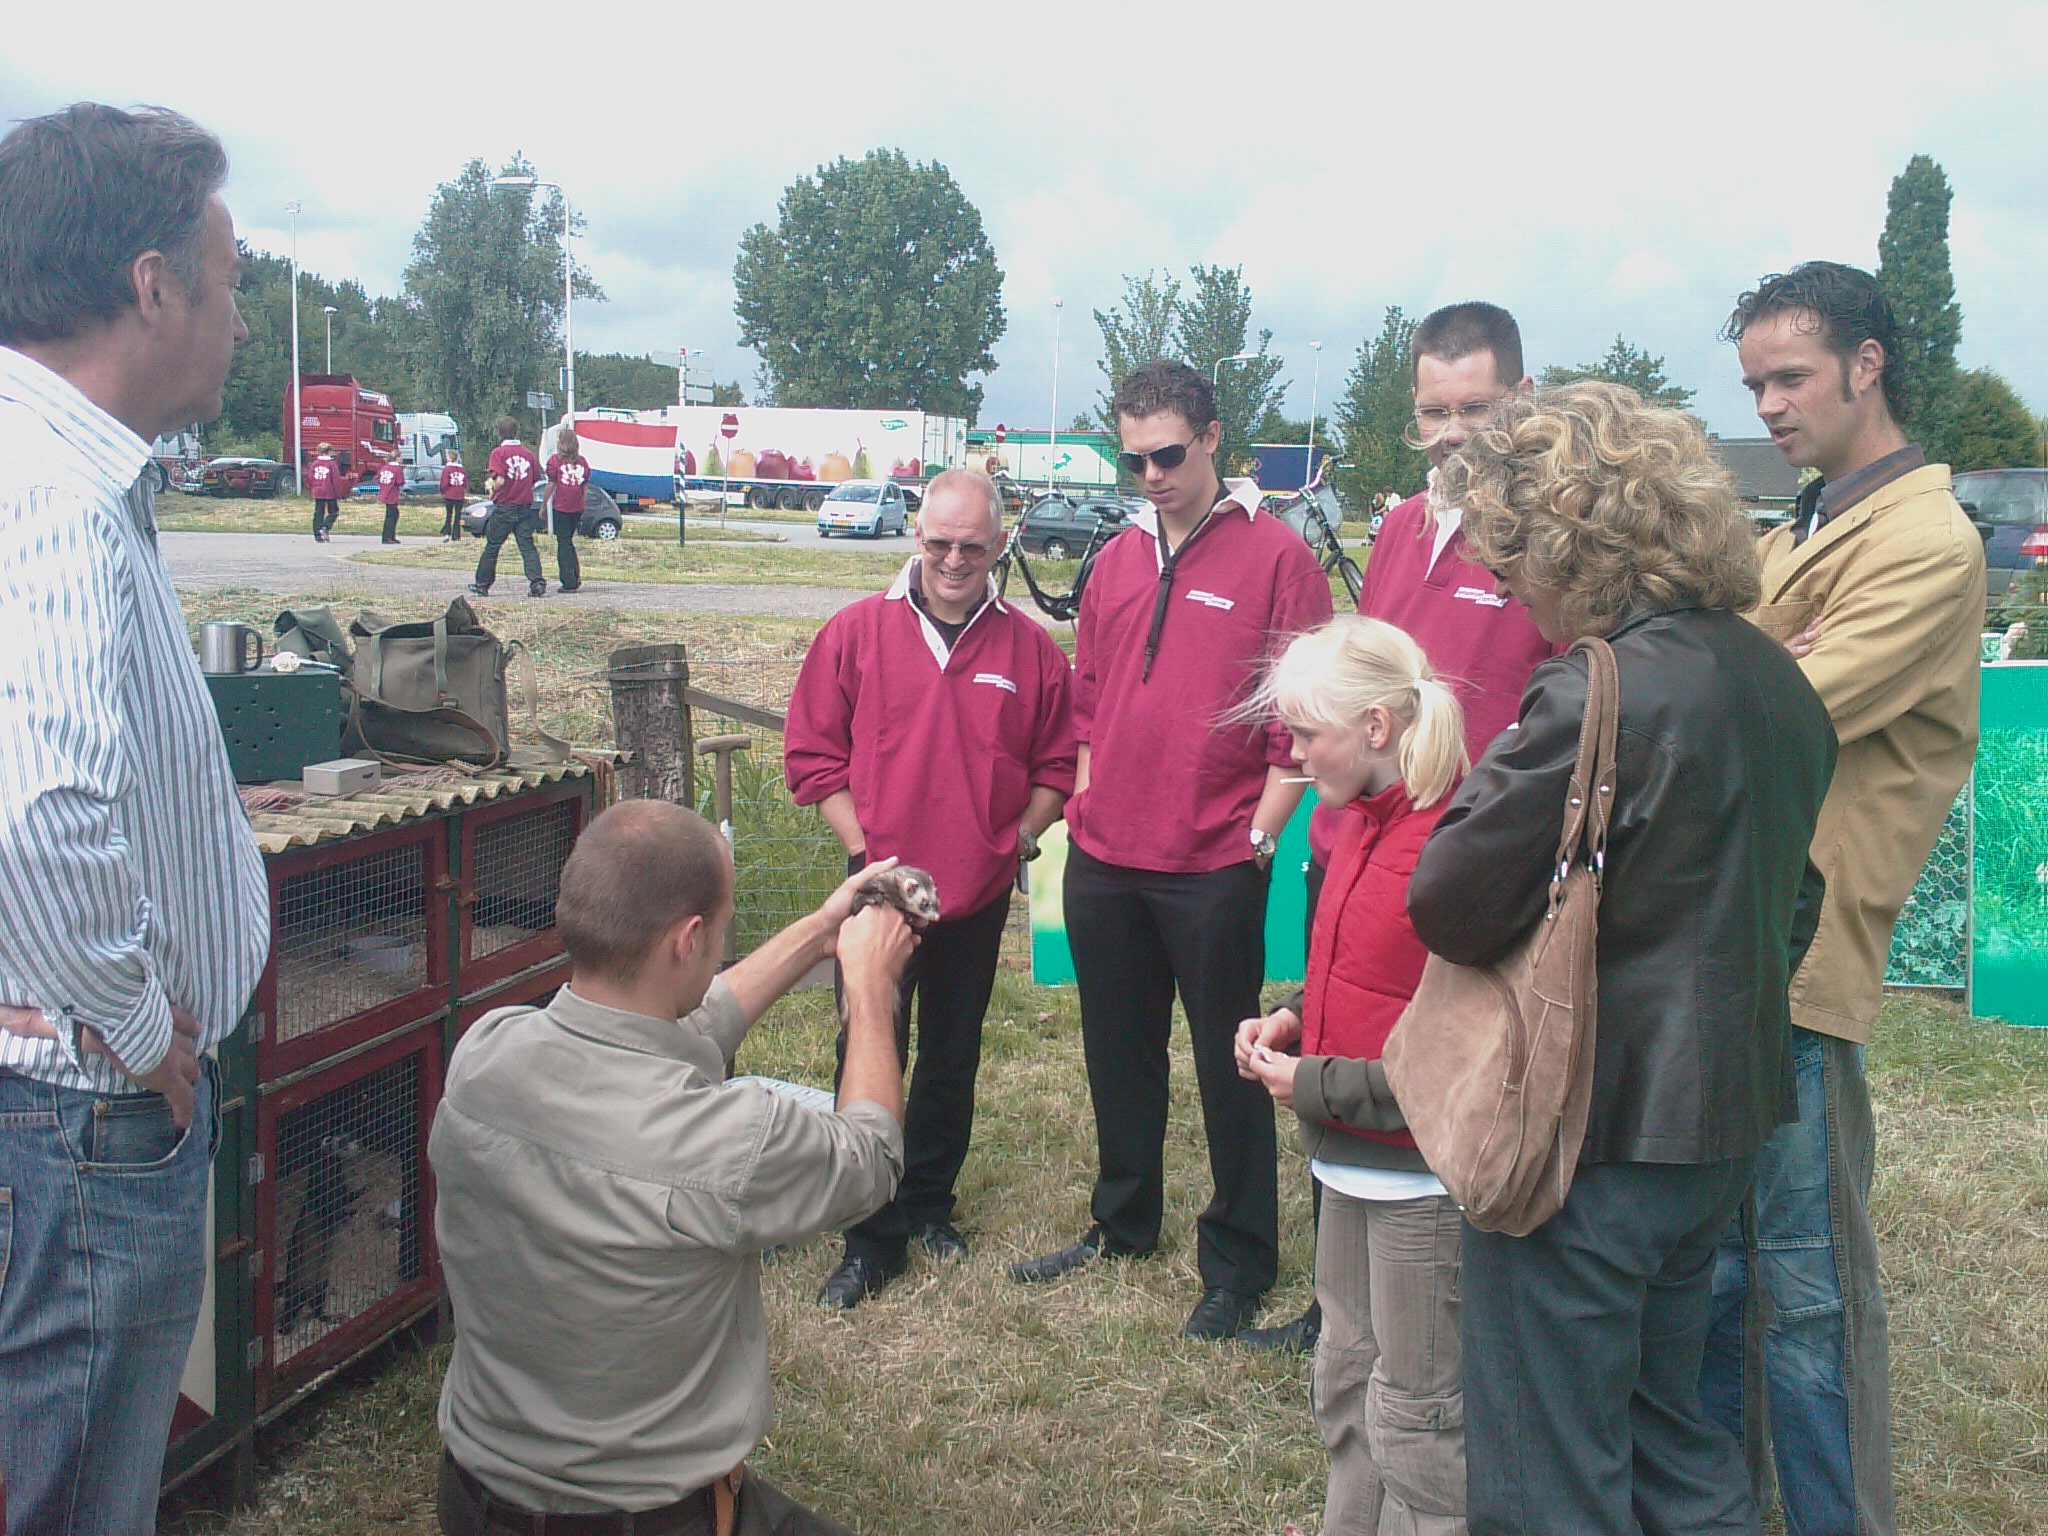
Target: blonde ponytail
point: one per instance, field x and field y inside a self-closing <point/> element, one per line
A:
<point x="1331" y="676"/>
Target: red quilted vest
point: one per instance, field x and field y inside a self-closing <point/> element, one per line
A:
<point x="1364" y="960"/>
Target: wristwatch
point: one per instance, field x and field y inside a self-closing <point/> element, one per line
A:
<point x="1027" y="846"/>
<point x="1264" y="846"/>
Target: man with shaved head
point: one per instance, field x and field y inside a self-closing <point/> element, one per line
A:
<point x="605" y="1194"/>
<point x="930" y="723"/>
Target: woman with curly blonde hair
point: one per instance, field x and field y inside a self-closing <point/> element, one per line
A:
<point x="1582" y="1341"/>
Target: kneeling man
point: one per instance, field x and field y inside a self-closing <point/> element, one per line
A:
<point x="605" y="1195"/>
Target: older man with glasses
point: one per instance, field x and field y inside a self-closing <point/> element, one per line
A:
<point x="931" y="724"/>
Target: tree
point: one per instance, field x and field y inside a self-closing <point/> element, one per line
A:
<point x="485" y="283"/>
<point x="1212" y="324"/>
<point x="1375" y="416"/>
<point x="1913" y="270"/>
<point x="1139" y="329"/>
<point x="877" y="288"/>
<point x="727" y="394"/>
<point x="1993" y="428"/>
<point x="623" y="382"/>
<point x="1632" y="367"/>
<point x="1275" y="427"/>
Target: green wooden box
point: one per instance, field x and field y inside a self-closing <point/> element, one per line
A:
<point x="277" y="722"/>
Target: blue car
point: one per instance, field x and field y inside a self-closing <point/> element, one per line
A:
<point x="870" y="508"/>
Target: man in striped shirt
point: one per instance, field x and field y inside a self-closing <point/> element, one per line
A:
<point x="133" y="907"/>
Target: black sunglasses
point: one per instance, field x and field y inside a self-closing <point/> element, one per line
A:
<point x="1172" y="456"/>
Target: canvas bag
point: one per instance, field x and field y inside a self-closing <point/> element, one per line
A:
<point x="315" y="634"/>
<point x="1493" y="1064"/>
<point x="434" y="691"/>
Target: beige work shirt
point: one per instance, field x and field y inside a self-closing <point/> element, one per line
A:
<point x="603" y="1199"/>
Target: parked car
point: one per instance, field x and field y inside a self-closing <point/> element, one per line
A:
<point x="602" y="518"/>
<point x="1058" y="527"/>
<point x="244" y="477"/>
<point x="2012" y="504"/>
<point x="422" y="483"/>
<point x="868" y="507"/>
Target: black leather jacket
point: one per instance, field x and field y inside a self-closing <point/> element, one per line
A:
<point x="1722" y="759"/>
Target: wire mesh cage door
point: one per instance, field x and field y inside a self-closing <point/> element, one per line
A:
<point x="531" y="989"/>
<point x="512" y="852"/>
<point x="358" y="945"/>
<point x="1931" y="943"/>
<point x="344" y="1208"/>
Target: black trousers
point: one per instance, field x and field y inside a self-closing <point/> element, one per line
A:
<point x="1582" y="1361"/>
<point x="451" y="517"/>
<point x="1137" y="936"/>
<point x="520" y="523"/>
<point x="566" y="559"/>
<point x="762" y="1510"/>
<point x="391" y="522"/>
<point x="951" y="973"/>
<point x="326" y="513"/>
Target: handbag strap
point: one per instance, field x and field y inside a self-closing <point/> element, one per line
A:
<point x="552" y="749"/>
<point x="1589" y="800"/>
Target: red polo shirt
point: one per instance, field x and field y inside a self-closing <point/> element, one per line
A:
<point x="939" y="748"/>
<point x="390" y="481"/>
<point x="454" y="482"/>
<point x="1482" y="644"/>
<point x="570" y="478"/>
<point x="1170" y="787"/>
<point x="517" y="471"/>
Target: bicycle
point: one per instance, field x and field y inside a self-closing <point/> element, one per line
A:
<point x="1314" y="514"/>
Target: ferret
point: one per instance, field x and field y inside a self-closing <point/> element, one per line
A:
<point x="908" y="889"/>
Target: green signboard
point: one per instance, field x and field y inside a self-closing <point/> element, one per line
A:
<point x="2009" y="918"/>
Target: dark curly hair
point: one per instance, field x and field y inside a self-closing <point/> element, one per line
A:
<point x="1165" y="385"/>
<point x="1846" y="307"/>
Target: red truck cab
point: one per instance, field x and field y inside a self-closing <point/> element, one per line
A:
<point x="335" y="408"/>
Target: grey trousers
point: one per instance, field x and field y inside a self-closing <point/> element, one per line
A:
<point x="1388" y="1389"/>
<point x="1582" y="1362"/>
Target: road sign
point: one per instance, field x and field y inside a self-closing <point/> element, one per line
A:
<point x="536" y="401"/>
<point x="1001" y="432"/>
<point x="730" y="427"/>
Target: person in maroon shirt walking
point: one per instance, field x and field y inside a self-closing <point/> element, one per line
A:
<point x="454" y="491"/>
<point x="568" y="483"/>
<point x="1174" y="821"/>
<point x="514" y="472"/>
<point x="932" y="723"/>
<point x="1467" y="359"/>
<point x="390" y="486"/>
<point x="323" y="479"/>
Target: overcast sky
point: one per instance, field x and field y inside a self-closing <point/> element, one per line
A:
<point x="1598" y="168"/>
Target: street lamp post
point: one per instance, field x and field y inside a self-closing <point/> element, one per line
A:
<point x="330" y="312"/>
<point x="534" y="184"/>
<point x="1314" y="388"/>
<point x="1052" y="440"/>
<point x="298" y="408"/>
<point x="1216" y="371"/>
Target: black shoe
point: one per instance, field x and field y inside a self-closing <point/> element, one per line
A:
<point x="390" y="541"/>
<point x="942" y="1240"/>
<point x="577" y="588"/>
<point x="1089" y="1247"/>
<point x="854" y="1282"/>
<point x="1295" y="1338"/>
<point x="1220" y="1314"/>
<point x="537" y="589"/>
<point x="478" y="591"/>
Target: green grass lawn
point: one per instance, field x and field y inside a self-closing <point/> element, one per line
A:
<point x="416" y="519"/>
<point x="727" y="563"/>
<point x="959" y="1403"/>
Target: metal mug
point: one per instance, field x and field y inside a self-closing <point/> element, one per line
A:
<point x="224" y="648"/>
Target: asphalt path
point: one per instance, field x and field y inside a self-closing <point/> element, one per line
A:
<point x="289" y="564"/>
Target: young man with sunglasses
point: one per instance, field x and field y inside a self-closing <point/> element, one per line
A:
<point x="931" y="723"/>
<point x="1467" y="359"/>
<point x="1174" y="822"/>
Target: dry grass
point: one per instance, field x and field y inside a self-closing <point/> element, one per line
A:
<point x="862" y="566"/>
<point x="959" y="1403"/>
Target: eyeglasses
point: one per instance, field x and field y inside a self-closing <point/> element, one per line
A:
<point x="1472" y="415"/>
<point x="1172" y="456"/>
<point x="942" y="549"/>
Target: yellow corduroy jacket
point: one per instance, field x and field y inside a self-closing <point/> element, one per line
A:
<point x="1897" y="582"/>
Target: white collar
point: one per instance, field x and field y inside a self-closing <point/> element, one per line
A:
<point x="108" y="445"/>
<point x="942" y="653"/>
<point x="1241" y="494"/>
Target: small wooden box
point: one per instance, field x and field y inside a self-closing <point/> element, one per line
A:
<point x="342" y="776"/>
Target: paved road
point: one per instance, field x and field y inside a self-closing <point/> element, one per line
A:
<point x="297" y="567"/>
<point x="796" y="535"/>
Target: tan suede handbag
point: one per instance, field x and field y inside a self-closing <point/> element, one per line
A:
<point x="1493" y="1064"/>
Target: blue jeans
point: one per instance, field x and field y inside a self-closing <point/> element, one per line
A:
<point x="102" y="1267"/>
<point x="1797" y="1367"/>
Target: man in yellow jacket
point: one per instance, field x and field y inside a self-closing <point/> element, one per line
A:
<point x="1877" y="586"/>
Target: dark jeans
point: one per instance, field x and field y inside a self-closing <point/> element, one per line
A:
<point x="326" y="513"/>
<point x="1799" y="1319"/>
<point x="951" y="973"/>
<point x="1582" y="1361"/>
<point x="566" y="560"/>
<point x="1136" y="937"/>
<point x="451" y="518"/>
<point x="764" y="1510"/>
<point x="390" y="522"/>
<point x="520" y="523"/>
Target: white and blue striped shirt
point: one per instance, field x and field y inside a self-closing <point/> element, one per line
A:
<point x="129" y="880"/>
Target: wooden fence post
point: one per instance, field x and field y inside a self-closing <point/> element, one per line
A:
<point x="651" y="723"/>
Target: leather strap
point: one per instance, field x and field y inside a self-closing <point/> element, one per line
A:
<point x="1589" y="801"/>
<point x="552" y="749"/>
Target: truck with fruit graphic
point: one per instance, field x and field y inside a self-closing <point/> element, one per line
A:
<point x="763" y="456"/>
